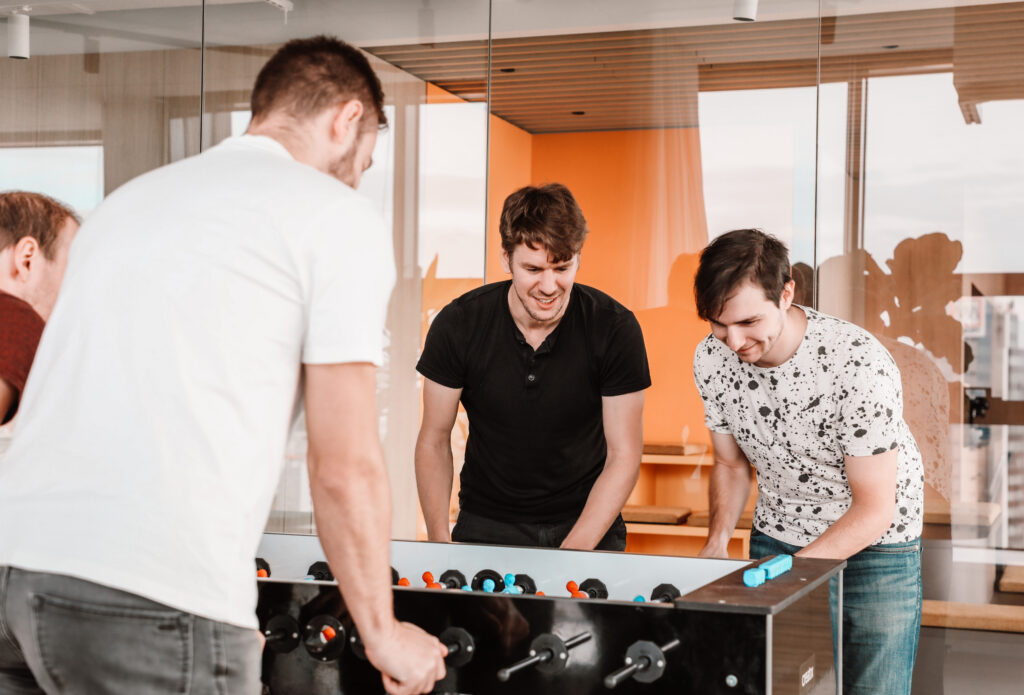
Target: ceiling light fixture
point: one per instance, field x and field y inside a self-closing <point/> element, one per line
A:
<point x="744" y="10"/>
<point x="18" y="36"/>
<point x="285" y="6"/>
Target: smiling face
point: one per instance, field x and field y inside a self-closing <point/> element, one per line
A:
<point x="540" y="285"/>
<point x="753" y="326"/>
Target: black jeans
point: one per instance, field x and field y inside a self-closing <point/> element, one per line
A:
<point x="473" y="528"/>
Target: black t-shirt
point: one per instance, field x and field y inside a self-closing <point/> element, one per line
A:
<point x="536" y="438"/>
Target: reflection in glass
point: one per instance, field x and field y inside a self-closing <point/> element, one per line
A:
<point x="96" y="103"/>
<point x="932" y="191"/>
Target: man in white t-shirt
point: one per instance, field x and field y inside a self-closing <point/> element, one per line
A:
<point x="815" y="405"/>
<point x="201" y="301"/>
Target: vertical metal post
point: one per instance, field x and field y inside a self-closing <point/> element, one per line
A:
<point x="856" y="151"/>
<point x="202" y="73"/>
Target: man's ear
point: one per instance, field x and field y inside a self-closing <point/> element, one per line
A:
<point x="506" y="261"/>
<point x="26" y="252"/>
<point x="345" y="124"/>
<point x="788" y="293"/>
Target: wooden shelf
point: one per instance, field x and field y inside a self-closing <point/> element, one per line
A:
<point x="677" y="460"/>
<point x="702" y="518"/>
<point x="973" y="616"/>
<point x="944" y="513"/>
<point x="1012" y="580"/>
<point x="654" y="514"/>
<point x="675" y="477"/>
<point x="678" y="530"/>
<point x="675" y="449"/>
<point x="681" y="540"/>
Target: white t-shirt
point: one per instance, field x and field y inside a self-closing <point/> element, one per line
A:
<point x="838" y="395"/>
<point x="153" y="428"/>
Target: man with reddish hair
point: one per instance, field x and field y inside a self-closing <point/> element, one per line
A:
<point x="552" y="375"/>
<point x="35" y="235"/>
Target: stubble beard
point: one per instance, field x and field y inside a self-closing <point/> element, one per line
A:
<point x="531" y="314"/>
<point x="769" y="344"/>
<point x="343" y="168"/>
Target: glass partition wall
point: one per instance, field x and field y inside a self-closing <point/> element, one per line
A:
<point x="103" y="97"/>
<point x="428" y="179"/>
<point x="670" y="125"/>
<point x="920" y="247"/>
<point x="880" y="139"/>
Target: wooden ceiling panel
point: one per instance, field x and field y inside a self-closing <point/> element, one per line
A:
<point x="650" y="78"/>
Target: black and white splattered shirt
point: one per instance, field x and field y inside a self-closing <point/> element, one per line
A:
<point x="838" y="395"/>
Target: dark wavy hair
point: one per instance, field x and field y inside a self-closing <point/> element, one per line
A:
<point x="734" y="258"/>
<point x="547" y="216"/>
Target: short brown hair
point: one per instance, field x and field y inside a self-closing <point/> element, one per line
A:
<point x="734" y="258"/>
<point x="24" y="214"/>
<point x="306" y="76"/>
<point x="545" y="216"/>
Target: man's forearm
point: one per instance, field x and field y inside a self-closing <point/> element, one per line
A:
<point x="727" y="497"/>
<point x="434" y="476"/>
<point x="605" y="502"/>
<point x="353" y="517"/>
<point x="855" y="530"/>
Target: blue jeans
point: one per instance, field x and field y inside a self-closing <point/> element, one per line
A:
<point x="64" y="635"/>
<point x="881" y="613"/>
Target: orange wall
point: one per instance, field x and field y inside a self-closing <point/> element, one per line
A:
<point x="510" y="167"/>
<point x="642" y="195"/>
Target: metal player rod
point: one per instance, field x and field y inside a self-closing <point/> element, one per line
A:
<point x="634" y="666"/>
<point x="540" y="656"/>
<point x="577" y="640"/>
<point x="505" y="673"/>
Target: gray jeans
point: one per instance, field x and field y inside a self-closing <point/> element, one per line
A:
<point x="64" y="635"/>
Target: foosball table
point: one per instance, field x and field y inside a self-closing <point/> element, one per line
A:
<point x="544" y="621"/>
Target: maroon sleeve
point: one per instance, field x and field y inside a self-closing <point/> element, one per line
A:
<point x="20" y="330"/>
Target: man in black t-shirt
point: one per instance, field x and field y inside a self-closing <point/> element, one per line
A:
<point x="552" y="376"/>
